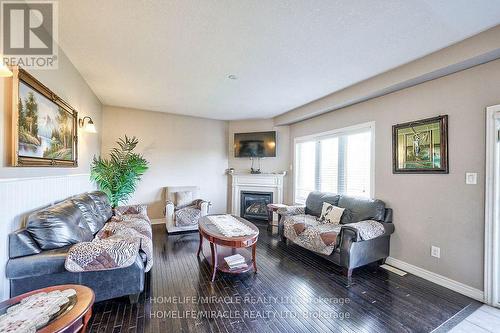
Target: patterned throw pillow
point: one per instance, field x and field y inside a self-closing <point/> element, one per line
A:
<point x="183" y="198"/>
<point x="331" y="214"/>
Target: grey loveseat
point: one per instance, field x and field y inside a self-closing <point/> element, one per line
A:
<point x="348" y="249"/>
<point x="38" y="252"/>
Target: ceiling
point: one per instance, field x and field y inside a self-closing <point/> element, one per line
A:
<point x="175" y="56"/>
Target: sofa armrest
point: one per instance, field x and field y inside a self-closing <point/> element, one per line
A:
<point x="291" y="210"/>
<point x="348" y="236"/>
<point x="351" y="234"/>
<point x="389" y="228"/>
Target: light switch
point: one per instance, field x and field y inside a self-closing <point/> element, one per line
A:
<point x="471" y="178"/>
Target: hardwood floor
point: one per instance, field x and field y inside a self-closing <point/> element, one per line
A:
<point x="294" y="291"/>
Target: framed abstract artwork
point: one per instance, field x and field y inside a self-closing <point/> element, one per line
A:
<point x="421" y="146"/>
<point x="44" y="127"/>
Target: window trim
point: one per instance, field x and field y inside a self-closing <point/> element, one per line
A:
<point x="335" y="133"/>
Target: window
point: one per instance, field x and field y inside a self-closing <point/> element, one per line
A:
<point x="339" y="161"/>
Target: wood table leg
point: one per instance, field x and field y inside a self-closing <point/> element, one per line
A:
<point x="199" y="247"/>
<point x="86" y="319"/>
<point x="213" y="250"/>
<point x="254" y="248"/>
<point x="270" y="218"/>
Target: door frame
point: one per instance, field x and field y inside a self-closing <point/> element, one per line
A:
<point x="492" y="209"/>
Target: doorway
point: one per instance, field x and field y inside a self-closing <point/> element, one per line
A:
<point x="492" y="208"/>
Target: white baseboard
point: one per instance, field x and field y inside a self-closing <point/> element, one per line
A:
<point x="438" y="279"/>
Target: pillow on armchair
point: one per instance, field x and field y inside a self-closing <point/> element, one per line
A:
<point x="183" y="198"/>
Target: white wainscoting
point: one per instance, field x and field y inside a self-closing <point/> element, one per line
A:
<point x="21" y="196"/>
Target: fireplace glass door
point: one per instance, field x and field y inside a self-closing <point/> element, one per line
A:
<point x="254" y="204"/>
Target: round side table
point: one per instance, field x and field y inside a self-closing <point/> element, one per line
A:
<point x="73" y="320"/>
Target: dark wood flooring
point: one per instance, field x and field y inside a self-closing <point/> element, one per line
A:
<point x="293" y="291"/>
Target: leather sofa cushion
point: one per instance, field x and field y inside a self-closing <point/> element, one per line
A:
<point x="90" y="212"/>
<point x="314" y="202"/>
<point x="361" y="209"/>
<point x="59" y="225"/>
<point x="101" y="200"/>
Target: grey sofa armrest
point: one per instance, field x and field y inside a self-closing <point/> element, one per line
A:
<point x="389" y="228"/>
<point x="22" y="244"/>
<point x="348" y="233"/>
<point x="351" y="234"/>
<point x="291" y="210"/>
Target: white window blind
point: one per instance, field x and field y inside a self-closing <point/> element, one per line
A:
<point x="305" y="175"/>
<point x="338" y="162"/>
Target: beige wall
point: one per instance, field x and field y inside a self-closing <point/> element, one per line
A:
<point x="181" y="150"/>
<point x="269" y="164"/>
<point x="23" y="190"/>
<point x="430" y="210"/>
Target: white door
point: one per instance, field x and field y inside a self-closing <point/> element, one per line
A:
<point x="492" y="208"/>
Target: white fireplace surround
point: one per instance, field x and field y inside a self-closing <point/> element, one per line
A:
<point x="263" y="182"/>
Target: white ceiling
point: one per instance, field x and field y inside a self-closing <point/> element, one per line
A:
<point x="175" y="56"/>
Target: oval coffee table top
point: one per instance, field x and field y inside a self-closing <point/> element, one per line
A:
<point x="209" y="229"/>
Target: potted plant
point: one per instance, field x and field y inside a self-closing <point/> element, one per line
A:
<point x="118" y="175"/>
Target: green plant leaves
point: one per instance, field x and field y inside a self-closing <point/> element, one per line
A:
<point x="118" y="175"/>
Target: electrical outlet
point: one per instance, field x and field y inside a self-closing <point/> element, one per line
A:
<point x="435" y="251"/>
<point x="471" y="178"/>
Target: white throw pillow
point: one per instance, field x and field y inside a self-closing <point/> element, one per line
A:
<point x="183" y="198"/>
<point x="331" y="214"/>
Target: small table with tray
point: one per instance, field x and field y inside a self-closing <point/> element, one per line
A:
<point x="222" y="246"/>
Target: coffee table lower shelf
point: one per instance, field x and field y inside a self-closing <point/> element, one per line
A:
<point x="222" y="252"/>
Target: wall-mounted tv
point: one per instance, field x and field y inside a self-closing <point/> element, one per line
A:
<point x="256" y="144"/>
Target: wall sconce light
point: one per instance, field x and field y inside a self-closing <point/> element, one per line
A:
<point x="89" y="127"/>
<point x="5" y="71"/>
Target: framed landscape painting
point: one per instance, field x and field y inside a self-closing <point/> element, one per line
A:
<point x="44" y="126"/>
<point x="421" y="146"/>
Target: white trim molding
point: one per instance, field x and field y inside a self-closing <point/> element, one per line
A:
<point x="263" y="182"/>
<point x="29" y="179"/>
<point x="437" y="279"/>
<point x="492" y="209"/>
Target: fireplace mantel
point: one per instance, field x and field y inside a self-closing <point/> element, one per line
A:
<point x="262" y="182"/>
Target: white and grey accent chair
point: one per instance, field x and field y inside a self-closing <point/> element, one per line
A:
<point x="184" y="208"/>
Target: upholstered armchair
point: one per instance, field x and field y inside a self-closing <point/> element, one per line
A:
<point x="183" y="208"/>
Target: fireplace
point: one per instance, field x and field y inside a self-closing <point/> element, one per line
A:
<point x="254" y="204"/>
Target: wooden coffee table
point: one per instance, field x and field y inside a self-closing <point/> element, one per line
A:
<point x="222" y="246"/>
<point x="73" y="320"/>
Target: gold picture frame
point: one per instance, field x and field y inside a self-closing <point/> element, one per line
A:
<point x="421" y="146"/>
<point x="44" y="127"/>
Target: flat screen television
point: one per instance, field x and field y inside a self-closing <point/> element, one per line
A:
<point x="256" y="144"/>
